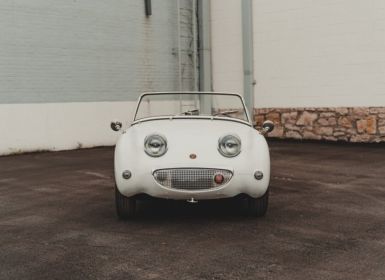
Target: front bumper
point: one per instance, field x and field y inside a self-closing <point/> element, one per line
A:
<point x="240" y="183"/>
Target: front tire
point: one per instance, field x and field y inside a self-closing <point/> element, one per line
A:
<point x="257" y="207"/>
<point x="125" y="206"/>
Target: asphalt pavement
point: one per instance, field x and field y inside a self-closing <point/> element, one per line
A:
<point x="326" y="220"/>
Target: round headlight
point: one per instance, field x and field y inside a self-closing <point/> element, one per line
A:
<point x="155" y="145"/>
<point x="229" y="145"/>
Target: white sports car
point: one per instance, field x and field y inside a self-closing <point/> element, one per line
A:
<point x="192" y="146"/>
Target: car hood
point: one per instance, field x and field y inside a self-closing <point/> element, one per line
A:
<point x="190" y="136"/>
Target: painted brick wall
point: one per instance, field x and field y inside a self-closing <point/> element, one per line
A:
<point x="189" y="61"/>
<point x="89" y="50"/>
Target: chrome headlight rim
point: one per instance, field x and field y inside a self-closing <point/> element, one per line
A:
<point x="162" y="148"/>
<point x="222" y="147"/>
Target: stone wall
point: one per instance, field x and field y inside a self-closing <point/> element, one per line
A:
<point x="358" y="124"/>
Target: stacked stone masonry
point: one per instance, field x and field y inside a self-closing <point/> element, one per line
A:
<point x="358" y="124"/>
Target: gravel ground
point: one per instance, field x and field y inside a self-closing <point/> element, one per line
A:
<point x="326" y="220"/>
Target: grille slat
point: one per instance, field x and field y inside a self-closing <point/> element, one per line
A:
<point x="191" y="178"/>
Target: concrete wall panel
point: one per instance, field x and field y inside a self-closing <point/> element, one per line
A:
<point x="319" y="53"/>
<point x="60" y="126"/>
<point x="226" y="32"/>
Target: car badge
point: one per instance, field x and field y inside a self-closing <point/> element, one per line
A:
<point x="193" y="156"/>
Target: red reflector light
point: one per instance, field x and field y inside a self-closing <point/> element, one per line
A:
<point x="218" y="179"/>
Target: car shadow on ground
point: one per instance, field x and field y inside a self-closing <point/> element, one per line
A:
<point x="172" y="208"/>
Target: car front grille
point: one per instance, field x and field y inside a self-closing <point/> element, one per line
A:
<point x="191" y="178"/>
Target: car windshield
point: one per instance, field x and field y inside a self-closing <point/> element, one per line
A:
<point x="191" y="104"/>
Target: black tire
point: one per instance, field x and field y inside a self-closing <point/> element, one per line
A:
<point x="257" y="207"/>
<point x="125" y="206"/>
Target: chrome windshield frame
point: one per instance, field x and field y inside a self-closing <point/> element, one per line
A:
<point x="134" y="121"/>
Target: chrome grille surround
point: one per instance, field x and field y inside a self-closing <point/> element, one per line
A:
<point x="191" y="178"/>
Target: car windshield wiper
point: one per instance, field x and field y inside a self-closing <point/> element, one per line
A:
<point x="194" y="112"/>
<point x="226" y="113"/>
